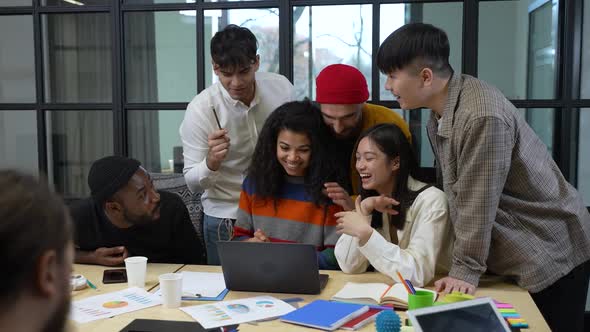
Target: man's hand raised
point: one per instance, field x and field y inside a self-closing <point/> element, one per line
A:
<point x="218" y="142"/>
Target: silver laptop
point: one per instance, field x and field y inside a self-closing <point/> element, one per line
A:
<point x="467" y="316"/>
<point x="271" y="267"/>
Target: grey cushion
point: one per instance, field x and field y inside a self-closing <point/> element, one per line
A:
<point x="174" y="183"/>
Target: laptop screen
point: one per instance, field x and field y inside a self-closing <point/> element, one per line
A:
<point x="270" y="267"/>
<point x="460" y="318"/>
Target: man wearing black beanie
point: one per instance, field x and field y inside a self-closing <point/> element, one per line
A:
<point x="127" y="216"/>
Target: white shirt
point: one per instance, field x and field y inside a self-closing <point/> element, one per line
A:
<point x="222" y="187"/>
<point x="425" y="243"/>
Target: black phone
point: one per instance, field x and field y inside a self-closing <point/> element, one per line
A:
<point x="114" y="276"/>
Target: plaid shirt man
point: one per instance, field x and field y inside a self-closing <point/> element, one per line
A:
<point x="513" y="212"/>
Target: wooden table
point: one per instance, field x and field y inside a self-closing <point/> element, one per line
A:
<point x="494" y="288"/>
<point x="94" y="274"/>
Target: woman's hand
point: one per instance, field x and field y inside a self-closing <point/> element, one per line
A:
<point x="259" y="236"/>
<point x="338" y="195"/>
<point x="380" y="203"/>
<point x="354" y="224"/>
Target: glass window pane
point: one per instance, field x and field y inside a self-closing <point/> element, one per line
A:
<point x="420" y="135"/>
<point x="161" y="56"/>
<point x="77" y="55"/>
<point x="75" y="139"/>
<point x="518" y="55"/>
<point x="142" y="2"/>
<point x="417" y="119"/>
<point x="585" y="82"/>
<point x="542" y="121"/>
<point x="264" y="24"/>
<point x="13" y="3"/>
<point x="176" y="1"/>
<point x="18" y="141"/>
<point x="154" y="139"/>
<point x="318" y="42"/>
<point x="447" y="16"/>
<point x="17" y="59"/>
<point x="74" y="3"/>
<point x="584" y="156"/>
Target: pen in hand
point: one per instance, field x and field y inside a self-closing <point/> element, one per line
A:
<point x="216" y="118"/>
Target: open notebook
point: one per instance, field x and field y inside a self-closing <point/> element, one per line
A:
<point x="370" y="293"/>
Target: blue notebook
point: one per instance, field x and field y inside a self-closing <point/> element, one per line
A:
<point x="325" y="315"/>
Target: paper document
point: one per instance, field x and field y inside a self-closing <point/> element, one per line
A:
<point x="238" y="311"/>
<point x="112" y="304"/>
<point x="197" y="285"/>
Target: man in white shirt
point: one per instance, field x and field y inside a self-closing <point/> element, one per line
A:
<point x="221" y="126"/>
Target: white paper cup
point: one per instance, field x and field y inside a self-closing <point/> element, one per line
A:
<point x="136" y="267"/>
<point x="171" y="289"/>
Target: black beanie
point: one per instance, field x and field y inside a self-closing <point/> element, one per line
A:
<point x="109" y="174"/>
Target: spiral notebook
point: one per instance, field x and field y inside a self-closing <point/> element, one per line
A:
<point x="325" y="315"/>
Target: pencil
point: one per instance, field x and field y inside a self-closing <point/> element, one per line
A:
<point x="387" y="290"/>
<point x="216" y="118"/>
<point x="90" y="284"/>
<point x="404" y="283"/>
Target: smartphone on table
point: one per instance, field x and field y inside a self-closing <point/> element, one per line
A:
<point x="114" y="276"/>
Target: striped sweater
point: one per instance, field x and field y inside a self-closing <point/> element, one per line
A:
<point x="296" y="219"/>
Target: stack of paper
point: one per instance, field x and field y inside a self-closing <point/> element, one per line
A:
<point x="202" y="286"/>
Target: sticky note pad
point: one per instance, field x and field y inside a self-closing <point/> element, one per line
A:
<point x="510" y="315"/>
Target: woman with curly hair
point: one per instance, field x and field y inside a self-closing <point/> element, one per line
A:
<point x="282" y="198"/>
<point x="413" y="234"/>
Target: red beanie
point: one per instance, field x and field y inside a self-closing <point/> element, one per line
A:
<point x="341" y="84"/>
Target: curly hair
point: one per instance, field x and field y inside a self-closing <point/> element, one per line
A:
<point x="390" y="140"/>
<point x="265" y="170"/>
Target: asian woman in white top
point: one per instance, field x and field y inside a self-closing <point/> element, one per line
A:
<point x="400" y="223"/>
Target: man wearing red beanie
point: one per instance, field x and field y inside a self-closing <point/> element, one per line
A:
<point x="341" y="91"/>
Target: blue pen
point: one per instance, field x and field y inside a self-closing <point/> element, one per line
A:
<point x="411" y="286"/>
